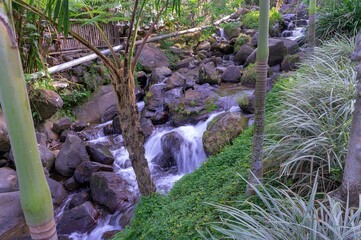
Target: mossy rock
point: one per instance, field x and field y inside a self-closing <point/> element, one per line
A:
<point x="222" y="130"/>
<point x="246" y="103"/>
<point x="232" y="30"/>
<point x="241" y="40"/>
<point x="249" y="75"/>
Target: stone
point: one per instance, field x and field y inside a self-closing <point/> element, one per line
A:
<point x="222" y="130"/>
<point x="58" y="193"/>
<point x="232" y="74"/>
<point x="11" y="212"/>
<point x="175" y="81"/>
<point x="70" y="156"/>
<point x="291" y="46"/>
<point x="146" y="126"/>
<point x="82" y="219"/>
<point x="100" y="153"/>
<point x="100" y="107"/>
<point x="65" y="134"/>
<point x="205" y="45"/>
<point x="171" y="143"/>
<point x="78" y="199"/>
<point x="61" y="125"/>
<point x="46" y="103"/>
<point x="277" y="51"/>
<point x="160" y="117"/>
<point x="4" y="138"/>
<point x="79" y="125"/>
<point x="185" y="63"/>
<point x="41" y="138"/>
<point x="246" y="103"/>
<point x="46" y="128"/>
<point x="286" y="33"/>
<point x="52" y="61"/>
<point x="8" y="180"/>
<point x="159" y="74"/>
<point x="151" y="57"/>
<point x="85" y="169"/>
<point x="208" y="74"/>
<point x="78" y="71"/>
<point x="71" y="185"/>
<point x="142" y="79"/>
<point x="111" y="190"/>
<point x="47" y="157"/>
<point x="154" y="98"/>
<point x="254" y="40"/>
<point x="242" y="54"/>
<point x="232" y="30"/>
<point x="290" y="62"/>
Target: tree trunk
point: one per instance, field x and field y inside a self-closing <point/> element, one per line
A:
<point x="132" y="133"/>
<point x="260" y="98"/>
<point x="312" y="26"/>
<point x="35" y="195"/>
<point x="351" y="182"/>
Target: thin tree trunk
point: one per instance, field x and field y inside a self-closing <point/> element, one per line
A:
<point x="260" y="98"/>
<point x="351" y="182"/>
<point x="312" y="26"/>
<point x="132" y="133"/>
<point x="35" y="195"/>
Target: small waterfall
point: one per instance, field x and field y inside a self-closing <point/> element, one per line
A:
<point x="221" y="33"/>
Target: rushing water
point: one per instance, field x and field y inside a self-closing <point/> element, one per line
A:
<point x="190" y="156"/>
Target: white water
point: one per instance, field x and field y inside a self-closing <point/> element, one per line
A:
<point x="297" y="33"/>
<point x="189" y="158"/>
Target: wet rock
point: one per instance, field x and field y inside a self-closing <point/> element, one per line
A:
<point x="154" y="97"/>
<point x="46" y="103"/>
<point x="151" y="57"/>
<point x="116" y="125"/>
<point x="160" y="117"/>
<point x="232" y="74"/>
<point x="58" y="192"/>
<point x="80" y="219"/>
<point x="220" y="48"/>
<point x="246" y="104"/>
<point x="78" y="199"/>
<point x="170" y="143"/>
<point x="70" y="156"/>
<point x="110" y="235"/>
<point x="287" y="33"/>
<point x="185" y="63"/>
<point x="159" y="74"/>
<point x="84" y="171"/>
<point x="100" y="153"/>
<point x="100" y="107"/>
<point x="47" y="157"/>
<point x="65" y="134"/>
<point x="142" y="79"/>
<point x="8" y="180"/>
<point x="242" y="54"/>
<point x="222" y="130"/>
<point x="61" y="125"/>
<point x="173" y="96"/>
<point x="111" y="190"/>
<point x="146" y="126"/>
<point x="79" y="125"/>
<point x="181" y="53"/>
<point x="291" y="46"/>
<point x="208" y="74"/>
<point x="11" y="212"/>
<point x="175" y="81"/>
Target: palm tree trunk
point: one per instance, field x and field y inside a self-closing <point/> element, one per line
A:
<point x="312" y="26"/>
<point x="35" y="195"/>
<point x="260" y="98"/>
<point x="131" y="131"/>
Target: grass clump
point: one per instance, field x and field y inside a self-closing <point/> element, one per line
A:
<point x="338" y="17"/>
<point x="251" y="19"/>
<point x="309" y="130"/>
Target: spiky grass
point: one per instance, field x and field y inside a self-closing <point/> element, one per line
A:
<point x="282" y="214"/>
<point x="309" y="131"/>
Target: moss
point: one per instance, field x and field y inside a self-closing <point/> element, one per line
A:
<point x="249" y="75"/>
<point x="241" y="39"/>
<point x="231" y="29"/>
<point x="243" y="101"/>
<point x="211" y="105"/>
<point x="250" y="20"/>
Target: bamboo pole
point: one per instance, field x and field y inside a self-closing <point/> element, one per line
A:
<point x="35" y="195"/>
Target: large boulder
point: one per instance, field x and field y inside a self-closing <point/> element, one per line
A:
<point x="11" y="212"/>
<point x="100" y="107"/>
<point x="70" y="156"/>
<point x="154" y="98"/>
<point x="4" y="138"/>
<point x="159" y="74"/>
<point x="82" y="219"/>
<point x="111" y="190"/>
<point x="46" y="103"/>
<point x="208" y="74"/>
<point x="151" y="57"/>
<point x="232" y="74"/>
<point x="8" y="180"/>
<point x="171" y="143"/>
<point x="291" y="46"/>
<point x="62" y="124"/>
<point x="195" y="105"/>
<point x="222" y="130"/>
<point x="277" y="51"/>
<point x="85" y="169"/>
<point x="175" y="81"/>
<point x="242" y="54"/>
<point x="100" y="153"/>
<point x="204" y="46"/>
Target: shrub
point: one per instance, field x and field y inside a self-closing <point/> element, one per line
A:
<point x="250" y="20"/>
<point x="282" y="214"/>
<point x="310" y="128"/>
<point x="338" y="17"/>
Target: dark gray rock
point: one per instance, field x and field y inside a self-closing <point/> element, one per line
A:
<point x="8" y="180"/>
<point x="170" y="143"/>
<point x="71" y="185"/>
<point x="11" y="212"/>
<point x="58" y="192"/>
<point x="61" y="125"/>
<point x="85" y="169"/>
<point x="116" y="125"/>
<point x="242" y="54"/>
<point x="175" y="81"/>
<point x="82" y="219"/>
<point x="232" y="74"/>
<point x="151" y="57"/>
<point x="70" y="156"/>
<point x="146" y="126"/>
<point x="208" y="74"/>
<point x="41" y="138"/>
<point x="204" y="46"/>
<point x="46" y="103"/>
<point x="79" y="125"/>
<point x="111" y="190"/>
<point x="154" y="98"/>
<point x="78" y="199"/>
<point x="100" y="153"/>
<point x="159" y="74"/>
<point x="47" y="157"/>
<point x="4" y="138"/>
<point x="185" y="63"/>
